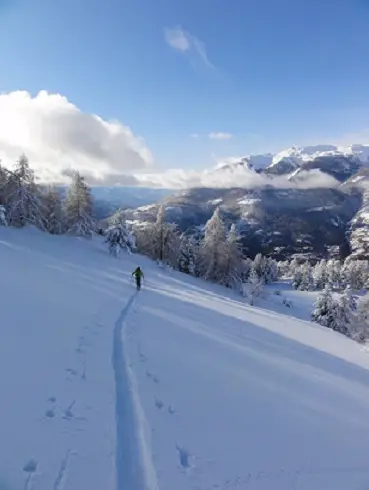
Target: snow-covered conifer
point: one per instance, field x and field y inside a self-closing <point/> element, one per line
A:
<point x="346" y="308"/>
<point x="3" y="220"/>
<point x="283" y="267"/>
<point x="54" y="216"/>
<point x="359" y="329"/>
<point x="326" y="309"/>
<point x="4" y="174"/>
<point x="232" y="259"/>
<point x="119" y="238"/>
<point x="270" y="272"/>
<point x="355" y="273"/>
<point x="78" y="208"/>
<point x="254" y="287"/>
<point x="294" y="264"/>
<point x="188" y="255"/>
<point x="334" y="273"/>
<point x="23" y="199"/>
<point x="320" y="274"/>
<point x="306" y="279"/>
<point x="164" y="240"/>
<point x="212" y="248"/>
<point x="296" y="277"/>
<point x="259" y="264"/>
<point x="246" y="269"/>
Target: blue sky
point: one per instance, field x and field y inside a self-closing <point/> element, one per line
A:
<point x="271" y="73"/>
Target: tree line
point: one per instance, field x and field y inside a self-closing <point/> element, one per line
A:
<point x="24" y="202"/>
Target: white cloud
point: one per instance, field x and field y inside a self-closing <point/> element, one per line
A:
<point x="187" y="43"/>
<point x="178" y="39"/>
<point x="220" y="136"/>
<point x="58" y="137"/>
<point x="195" y="135"/>
<point x="224" y="175"/>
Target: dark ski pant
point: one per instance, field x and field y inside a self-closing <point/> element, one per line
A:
<point x="138" y="283"/>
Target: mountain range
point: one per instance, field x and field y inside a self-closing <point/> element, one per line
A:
<point x="308" y="202"/>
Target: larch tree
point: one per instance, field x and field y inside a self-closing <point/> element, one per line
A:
<point x="212" y="248"/>
<point x="54" y="215"/>
<point x="232" y="259"/>
<point x="78" y="208"/>
<point x="23" y="199"/>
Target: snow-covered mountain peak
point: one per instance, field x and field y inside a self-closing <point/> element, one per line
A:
<point x="291" y="159"/>
<point x="251" y="162"/>
<point x="297" y="155"/>
<point x="360" y="151"/>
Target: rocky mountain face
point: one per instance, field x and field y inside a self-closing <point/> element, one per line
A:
<point x="358" y="228"/>
<point x="289" y="220"/>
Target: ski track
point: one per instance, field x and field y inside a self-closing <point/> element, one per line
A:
<point x="58" y="484"/>
<point x="134" y="466"/>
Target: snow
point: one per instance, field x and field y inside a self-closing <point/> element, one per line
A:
<point x="298" y="155"/>
<point x="257" y="162"/>
<point x="180" y="386"/>
<point x="146" y="208"/>
<point x="358" y="178"/>
<point x="244" y="201"/>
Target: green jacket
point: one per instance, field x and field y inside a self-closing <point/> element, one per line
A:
<point x="138" y="273"/>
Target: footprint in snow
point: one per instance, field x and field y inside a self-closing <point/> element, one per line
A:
<point x="171" y="410"/>
<point x="71" y="371"/>
<point x="30" y="466"/>
<point x="184" y="457"/>
<point x="68" y="413"/>
<point x="159" y="404"/>
<point x="143" y="358"/>
<point x="152" y="376"/>
<point x="50" y="413"/>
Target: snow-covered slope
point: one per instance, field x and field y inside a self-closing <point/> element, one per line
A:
<point x="181" y="386"/>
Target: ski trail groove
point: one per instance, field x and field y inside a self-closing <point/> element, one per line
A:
<point x="58" y="483"/>
<point x="133" y="464"/>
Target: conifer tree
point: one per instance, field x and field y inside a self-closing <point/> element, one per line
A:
<point x="212" y="248"/>
<point x="119" y="238"/>
<point x="78" y="208"/>
<point x="54" y="216"/>
<point x="232" y="259"/>
<point x="23" y="199"/>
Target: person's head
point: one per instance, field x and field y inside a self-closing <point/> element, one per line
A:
<point x="138" y="268"/>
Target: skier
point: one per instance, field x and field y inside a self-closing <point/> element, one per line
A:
<point x="138" y="275"/>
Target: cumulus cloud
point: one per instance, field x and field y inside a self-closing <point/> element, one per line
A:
<point x="187" y="43"/>
<point x="58" y="137"/>
<point x="220" y="136"/>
